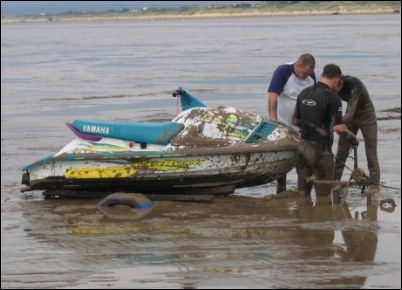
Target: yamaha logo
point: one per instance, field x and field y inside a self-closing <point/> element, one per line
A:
<point x="95" y="129"/>
<point x="309" y="102"/>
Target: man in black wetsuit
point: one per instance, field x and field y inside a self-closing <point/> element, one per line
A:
<point x="360" y="114"/>
<point x="318" y="113"/>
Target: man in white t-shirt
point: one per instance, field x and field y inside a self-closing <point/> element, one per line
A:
<point x="287" y="82"/>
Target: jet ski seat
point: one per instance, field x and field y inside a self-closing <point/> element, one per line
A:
<point x="154" y="133"/>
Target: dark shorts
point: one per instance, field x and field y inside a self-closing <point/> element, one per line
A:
<point x="316" y="160"/>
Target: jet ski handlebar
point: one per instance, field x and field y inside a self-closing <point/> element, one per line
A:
<point x="178" y="93"/>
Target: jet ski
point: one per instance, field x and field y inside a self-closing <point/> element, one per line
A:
<point x="200" y="151"/>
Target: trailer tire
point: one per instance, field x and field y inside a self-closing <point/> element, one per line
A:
<point x="125" y="205"/>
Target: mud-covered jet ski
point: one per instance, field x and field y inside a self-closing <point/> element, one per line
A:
<point x="201" y="150"/>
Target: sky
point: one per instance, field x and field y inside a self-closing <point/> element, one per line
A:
<point x="18" y="8"/>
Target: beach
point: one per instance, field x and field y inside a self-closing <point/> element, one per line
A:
<point x="126" y="72"/>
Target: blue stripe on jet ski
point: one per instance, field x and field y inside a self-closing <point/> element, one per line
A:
<point x="45" y="160"/>
<point x="115" y="155"/>
<point x="100" y="156"/>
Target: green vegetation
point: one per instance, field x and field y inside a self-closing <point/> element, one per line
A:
<point x="264" y="7"/>
<point x="337" y="6"/>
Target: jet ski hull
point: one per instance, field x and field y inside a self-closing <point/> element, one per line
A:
<point x="187" y="172"/>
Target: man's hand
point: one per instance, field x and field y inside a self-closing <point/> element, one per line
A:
<point x="354" y="143"/>
<point x="352" y="139"/>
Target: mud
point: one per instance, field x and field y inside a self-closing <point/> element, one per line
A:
<point x="52" y="74"/>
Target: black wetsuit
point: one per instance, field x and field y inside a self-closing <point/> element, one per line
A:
<point x="318" y="109"/>
<point x="360" y="114"/>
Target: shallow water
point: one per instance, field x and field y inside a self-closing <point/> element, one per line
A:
<point x="51" y="74"/>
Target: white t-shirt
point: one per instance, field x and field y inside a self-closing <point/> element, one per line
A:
<point x="288" y="86"/>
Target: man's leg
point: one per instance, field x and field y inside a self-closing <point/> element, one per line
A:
<point x="324" y="171"/>
<point x="370" y="143"/>
<point x="305" y="157"/>
<point x="342" y="154"/>
<point x="304" y="187"/>
<point x="281" y="184"/>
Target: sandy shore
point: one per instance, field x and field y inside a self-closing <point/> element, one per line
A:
<point x="206" y="16"/>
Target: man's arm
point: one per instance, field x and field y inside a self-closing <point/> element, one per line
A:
<point x="295" y="117"/>
<point x="273" y="105"/>
<point x="355" y="93"/>
<point x="351" y="109"/>
<point x="338" y="125"/>
<point x="343" y="131"/>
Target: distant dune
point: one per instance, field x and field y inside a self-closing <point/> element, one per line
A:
<point x="264" y="9"/>
<point x="206" y="16"/>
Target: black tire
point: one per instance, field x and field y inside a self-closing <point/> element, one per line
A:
<point x="125" y="205"/>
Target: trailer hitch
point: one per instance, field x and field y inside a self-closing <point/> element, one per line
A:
<point x="358" y="174"/>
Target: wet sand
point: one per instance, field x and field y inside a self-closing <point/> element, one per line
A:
<point x="55" y="74"/>
<point x="234" y="241"/>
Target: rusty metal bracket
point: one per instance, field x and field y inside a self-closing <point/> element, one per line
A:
<point x="388" y="205"/>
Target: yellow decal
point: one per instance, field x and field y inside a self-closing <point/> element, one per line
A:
<point x="108" y="172"/>
<point x="167" y="165"/>
<point x="97" y="230"/>
<point x="238" y="134"/>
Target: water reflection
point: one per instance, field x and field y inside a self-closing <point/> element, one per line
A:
<point x="231" y="243"/>
<point x="235" y="241"/>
